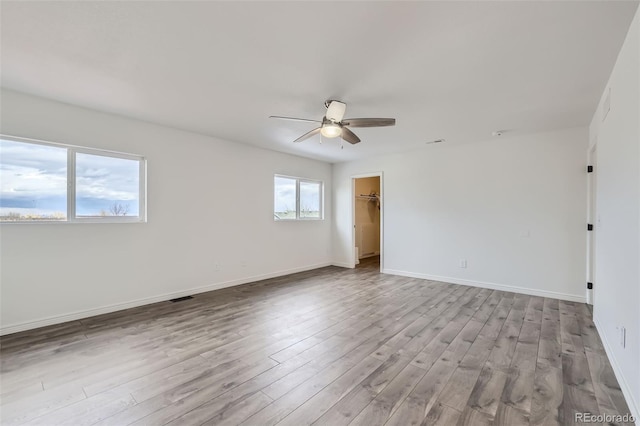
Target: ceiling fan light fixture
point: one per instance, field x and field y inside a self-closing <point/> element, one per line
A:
<point x="331" y="130"/>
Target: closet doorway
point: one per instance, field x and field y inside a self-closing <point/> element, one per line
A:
<point x="367" y="219"/>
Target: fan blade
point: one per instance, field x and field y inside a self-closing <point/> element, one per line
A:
<point x="335" y="110"/>
<point x="294" y="119"/>
<point x="308" y="135"/>
<point x="349" y="136"/>
<point x="369" y="122"/>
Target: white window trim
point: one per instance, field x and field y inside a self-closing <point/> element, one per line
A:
<point x="72" y="150"/>
<point x="298" y="180"/>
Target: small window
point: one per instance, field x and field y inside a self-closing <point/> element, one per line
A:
<point x="34" y="182"/>
<point x="310" y="199"/>
<point x="285" y="198"/>
<point x="107" y="186"/>
<point x="297" y="199"/>
<point x="42" y="181"/>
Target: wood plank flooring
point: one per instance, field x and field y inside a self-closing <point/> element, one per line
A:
<point x="326" y="347"/>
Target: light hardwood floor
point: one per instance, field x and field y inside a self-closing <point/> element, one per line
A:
<point x="327" y="347"/>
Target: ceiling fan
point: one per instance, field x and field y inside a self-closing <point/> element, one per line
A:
<point x="333" y="124"/>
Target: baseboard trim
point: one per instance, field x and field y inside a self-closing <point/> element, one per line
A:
<point x="366" y="256"/>
<point x="343" y="265"/>
<point x="626" y="389"/>
<point x="74" y="316"/>
<point x="492" y="286"/>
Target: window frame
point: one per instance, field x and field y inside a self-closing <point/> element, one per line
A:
<point x="298" y="180"/>
<point x="72" y="150"/>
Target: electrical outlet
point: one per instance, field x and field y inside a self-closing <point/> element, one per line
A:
<point x="463" y="263"/>
<point x="216" y="266"/>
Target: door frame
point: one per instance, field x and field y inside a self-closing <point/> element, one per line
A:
<point x="353" y="216"/>
<point x="592" y="218"/>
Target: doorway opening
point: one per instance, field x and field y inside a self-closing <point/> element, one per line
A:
<point x="367" y="221"/>
<point x="592" y="219"/>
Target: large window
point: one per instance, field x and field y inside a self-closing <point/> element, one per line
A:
<point x="297" y="199"/>
<point x="41" y="181"/>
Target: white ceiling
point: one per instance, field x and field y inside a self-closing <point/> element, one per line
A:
<point x="454" y="70"/>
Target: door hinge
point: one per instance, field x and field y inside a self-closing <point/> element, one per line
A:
<point x="589" y="227"/>
<point x="589" y="286"/>
<point x="589" y="169"/>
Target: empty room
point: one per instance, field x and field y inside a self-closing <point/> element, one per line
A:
<point x="314" y="212"/>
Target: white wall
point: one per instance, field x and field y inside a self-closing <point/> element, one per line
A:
<point x="617" y="227"/>
<point x="209" y="201"/>
<point x="513" y="207"/>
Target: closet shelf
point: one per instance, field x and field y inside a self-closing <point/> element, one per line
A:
<point x="368" y="197"/>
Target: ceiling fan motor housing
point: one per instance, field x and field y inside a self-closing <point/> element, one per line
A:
<point x="335" y="110"/>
